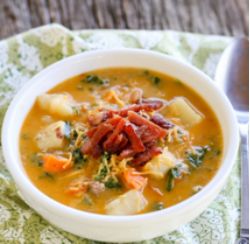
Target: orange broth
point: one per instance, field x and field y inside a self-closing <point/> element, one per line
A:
<point x="207" y="132"/>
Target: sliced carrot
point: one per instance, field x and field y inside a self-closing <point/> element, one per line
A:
<point x="133" y="180"/>
<point x="55" y="164"/>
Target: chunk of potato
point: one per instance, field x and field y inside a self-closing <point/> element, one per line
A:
<point x="183" y="109"/>
<point x="51" y="136"/>
<point x="159" y="165"/>
<point x="59" y="104"/>
<point x="128" y="203"/>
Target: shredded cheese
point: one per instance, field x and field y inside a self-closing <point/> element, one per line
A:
<point x="112" y="97"/>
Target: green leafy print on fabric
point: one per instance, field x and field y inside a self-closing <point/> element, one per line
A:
<point x="85" y="35"/>
<point x="72" y="238"/>
<point x="13" y="53"/>
<point x="14" y="58"/>
<point x="48" y="54"/>
<point x="4" y="241"/>
<point x="70" y="47"/>
<point x="32" y="228"/>
<point x="14" y="215"/>
<point x="232" y="186"/>
<point x="49" y="44"/>
<point x="184" y="47"/>
<point x="169" y="46"/>
<point x="201" y="56"/>
<point x="4" y="90"/>
<point x="129" y="40"/>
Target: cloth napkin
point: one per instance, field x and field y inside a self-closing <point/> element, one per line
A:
<point x="24" y="55"/>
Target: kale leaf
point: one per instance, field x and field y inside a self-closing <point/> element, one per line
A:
<point x="196" y="156"/>
<point x="173" y="174"/>
<point x="112" y="183"/>
<point x="79" y="158"/>
<point x="156" y="80"/>
<point x="158" y="206"/>
<point x="96" y="80"/>
<point x="103" y="173"/>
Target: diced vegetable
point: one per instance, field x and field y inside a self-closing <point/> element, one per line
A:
<point x="133" y="180"/>
<point x="160" y="164"/>
<point x="183" y="109"/>
<point x="51" y="136"/>
<point x="131" y="202"/>
<point x="59" y="104"/>
<point x="55" y="164"/>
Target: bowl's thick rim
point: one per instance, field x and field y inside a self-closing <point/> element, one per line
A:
<point x="48" y="203"/>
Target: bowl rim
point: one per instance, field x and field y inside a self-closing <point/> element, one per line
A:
<point x="61" y="209"/>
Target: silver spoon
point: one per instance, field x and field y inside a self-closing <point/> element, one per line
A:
<point x="232" y="74"/>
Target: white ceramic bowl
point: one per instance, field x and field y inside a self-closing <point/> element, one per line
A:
<point x="117" y="228"/>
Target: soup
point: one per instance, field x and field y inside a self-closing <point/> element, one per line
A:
<point x="121" y="142"/>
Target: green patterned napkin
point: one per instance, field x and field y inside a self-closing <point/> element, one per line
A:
<point x="24" y="55"/>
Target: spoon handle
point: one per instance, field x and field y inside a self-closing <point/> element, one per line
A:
<point x="244" y="226"/>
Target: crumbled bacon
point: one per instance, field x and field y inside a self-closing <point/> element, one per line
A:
<point x="142" y="158"/>
<point x="128" y="133"/>
<point x="91" y="146"/>
<point x="91" y="132"/>
<point x="147" y="105"/>
<point x="127" y="153"/>
<point x="154" y="103"/>
<point x="161" y="121"/>
<point x="124" y="141"/>
<point x="134" y="139"/>
<point x="139" y="121"/>
<point x="113" y="137"/>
